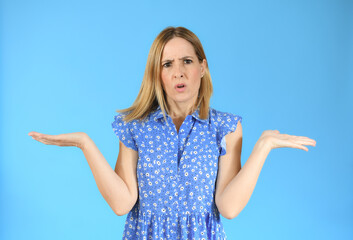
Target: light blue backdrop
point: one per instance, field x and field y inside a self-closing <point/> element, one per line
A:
<point x="66" y="66"/>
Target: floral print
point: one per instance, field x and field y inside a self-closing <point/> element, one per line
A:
<point x="176" y="173"/>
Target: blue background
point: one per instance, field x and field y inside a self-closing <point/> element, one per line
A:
<point x="66" y="66"/>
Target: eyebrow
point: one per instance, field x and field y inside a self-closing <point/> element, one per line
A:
<point x="168" y="60"/>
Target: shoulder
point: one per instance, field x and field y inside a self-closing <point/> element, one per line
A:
<point x="226" y="123"/>
<point x="222" y="118"/>
<point x="119" y="119"/>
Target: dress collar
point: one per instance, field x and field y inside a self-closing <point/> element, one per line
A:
<point x="196" y="114"/>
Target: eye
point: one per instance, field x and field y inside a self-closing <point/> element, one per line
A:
<point x="188" y="61"/>
<point x="167" y="64"/>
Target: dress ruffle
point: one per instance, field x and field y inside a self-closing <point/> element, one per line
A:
<point x="207" y="226"/>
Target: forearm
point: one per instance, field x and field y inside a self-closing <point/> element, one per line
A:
<point x="110" y="184"/>
<point x="238" y="192"/>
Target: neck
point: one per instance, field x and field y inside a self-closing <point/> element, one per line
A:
<point x="180" y="110"/>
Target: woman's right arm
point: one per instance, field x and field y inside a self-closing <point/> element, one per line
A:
<point x="119" y="188"/>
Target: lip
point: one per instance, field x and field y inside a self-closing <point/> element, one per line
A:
<point x="180" y="89"/>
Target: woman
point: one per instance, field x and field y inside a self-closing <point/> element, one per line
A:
<point x="178" y="166"/>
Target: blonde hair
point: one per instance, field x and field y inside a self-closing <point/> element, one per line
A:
<point x="151" y="94"/>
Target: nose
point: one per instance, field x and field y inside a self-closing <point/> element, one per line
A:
<point x="178" y="71"/>
<point x="179" y="75"/>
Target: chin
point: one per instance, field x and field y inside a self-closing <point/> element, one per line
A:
<point x="182" y="99"/>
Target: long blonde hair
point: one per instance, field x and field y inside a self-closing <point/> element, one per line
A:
<point x="151" y="94"/>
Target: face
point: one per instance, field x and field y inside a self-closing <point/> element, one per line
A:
<point x="181" y="72"/>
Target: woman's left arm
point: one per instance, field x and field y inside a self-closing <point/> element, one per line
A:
<point x="235" y="185"/>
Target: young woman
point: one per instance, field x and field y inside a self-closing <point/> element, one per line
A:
<point x="178" y="166"/>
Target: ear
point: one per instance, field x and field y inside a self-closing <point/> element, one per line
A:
<point x="203" y="67"/>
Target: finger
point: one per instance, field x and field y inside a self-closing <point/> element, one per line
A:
<point x="35" y="138"/>
<point x="37" y="135"/>
<point x="297" y="145"/>
<point x="47" y="142"/>
<point x="39" y="139"/>
<point x="301" y="147"/>
<point x="32" y="134"/>
<point x="51" y="140"/>
<point x="306" y="138"/>
<point x="42" y="139"/>
<point x="46" y="137"/>
<point x="301" y="138"/>
<point x="305" y="142"/>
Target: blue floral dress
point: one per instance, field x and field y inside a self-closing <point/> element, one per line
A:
<point x="176" y="173"/>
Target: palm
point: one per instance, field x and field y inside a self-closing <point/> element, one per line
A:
<point x="66" y="139"/>
<point x="277" y="140"/>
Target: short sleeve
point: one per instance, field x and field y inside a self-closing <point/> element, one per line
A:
<point x="124" y="131"/>
<point x="228" y="125"/>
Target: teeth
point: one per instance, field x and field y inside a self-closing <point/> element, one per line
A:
<point x="180" y="86"/>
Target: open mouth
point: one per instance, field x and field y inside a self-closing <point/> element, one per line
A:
<point x="180" y="87"/>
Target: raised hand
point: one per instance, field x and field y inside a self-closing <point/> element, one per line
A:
<point x="67" y="139"/>
<point x="274" y="139"/>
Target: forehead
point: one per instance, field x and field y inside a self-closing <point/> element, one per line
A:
<point x="178" y="47"/>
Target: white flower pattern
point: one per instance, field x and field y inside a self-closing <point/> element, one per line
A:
<point x="176" y="173"/>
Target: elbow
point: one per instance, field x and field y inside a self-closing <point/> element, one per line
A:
<point x="228" y="212"/>
<point x="229" y="215"/>
<point x="234" y="212"/>
<point x="122" y="210"/>
<point x="121" y="206"/>
<point x="119" y="211"/>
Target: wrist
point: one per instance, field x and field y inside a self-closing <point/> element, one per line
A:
<point x="84" y="141"/>
<point x="263" y="144"/>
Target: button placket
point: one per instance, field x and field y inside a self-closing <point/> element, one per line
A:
<point x="183" y="131"/>
<point x="174" y="147"/>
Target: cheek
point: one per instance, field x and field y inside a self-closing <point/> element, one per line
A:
<point x="197" y="85"/>
<point x="195" y="73"/>
<point x="196" y="77"/>
<point x="164" y="79"/>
